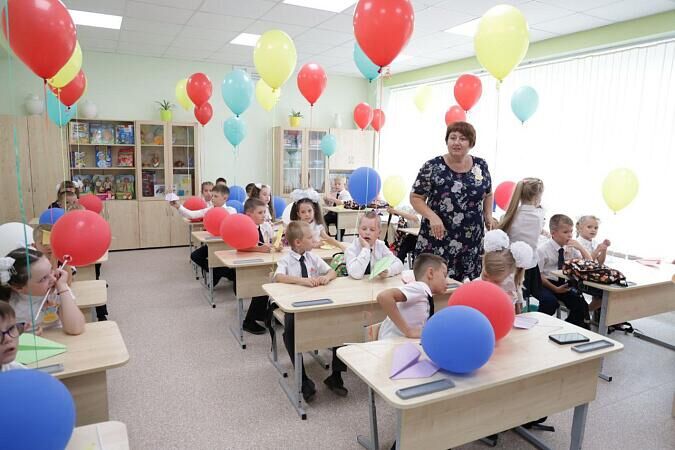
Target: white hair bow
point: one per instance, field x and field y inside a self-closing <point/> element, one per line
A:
<point x="6" y="269"/>
<point x="522" y="253"/>
<point x="299" y="194"/>
<point x="495" y="240"/>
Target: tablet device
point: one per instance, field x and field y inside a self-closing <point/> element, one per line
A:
<point x="568" y="338"/>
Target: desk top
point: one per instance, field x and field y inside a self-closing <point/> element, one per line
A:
<point x="521" y="354"/>
<point x="111" y="436"/>
<point x="206" y="237"/>
<point x="641" y="275"/>
<point x="89" y="293"/>
<point x="342" y="209"/>
<point x="234" y="258"/>
<point x="100" y="347"/>
<point x="193" y="221"/>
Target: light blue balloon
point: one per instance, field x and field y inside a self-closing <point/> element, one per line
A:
<point x="237" y="89"/>
<point x="524" y="102"/>
<point x="368" y="68"/>
<point x="328" y="144"/>
<point x="235" y="130"/>
<point x="59" y="113"/>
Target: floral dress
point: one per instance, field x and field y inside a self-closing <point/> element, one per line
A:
<point x="457" y="198"/>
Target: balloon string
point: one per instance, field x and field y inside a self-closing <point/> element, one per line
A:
<point x="494" y="165"/>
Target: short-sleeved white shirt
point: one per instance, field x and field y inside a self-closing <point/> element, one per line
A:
<point x="49" y="315"/>
<point x="548" y="257"/>
<point x="415" y="310"/>
<point x="290" y="265"/>
<point x="526" y="227"/>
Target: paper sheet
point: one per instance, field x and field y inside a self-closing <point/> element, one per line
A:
<point x="381" y="266"/>
<point x="35" y="348"/>
<point x="277" y="238"/>
<point x="405" y="363"/>
<point x="525" y="323"/>
<point x="421" y="369"/>
<point x="171" y="197"/>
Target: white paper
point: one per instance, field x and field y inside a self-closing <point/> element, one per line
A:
<point x="171" y="197"/>
<point x="524" y="322"/>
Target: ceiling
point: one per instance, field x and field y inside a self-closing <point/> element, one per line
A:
<point x="200" y="30"/>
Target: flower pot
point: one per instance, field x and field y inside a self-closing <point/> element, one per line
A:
<point x="165" y="115"/>
<point x="295" y="121"/>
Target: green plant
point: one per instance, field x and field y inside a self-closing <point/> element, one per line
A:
<point x="165" y="105"/>
<point x="295" y="113"/>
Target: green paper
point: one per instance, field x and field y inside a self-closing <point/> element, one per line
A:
<point x="35" y="348"/>
<point x="381" y="266"/>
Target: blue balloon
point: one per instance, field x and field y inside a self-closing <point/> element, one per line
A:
<point x="458" y="339"/>
<point x="279" y="206"/>
<point x="235" y="130"/>
<point x="50" y="216"/>
<point x="237" y="90"/>
<point x="44" y="402"/>
<point x="364" y="185"/>
<point x="238" y="193"/>
<point x="236" y="204"/>
<point x="59" y="113"/>
<point x="328" y="144"/>
<point x="367" y="68"/>
<point x="524" y="102"/>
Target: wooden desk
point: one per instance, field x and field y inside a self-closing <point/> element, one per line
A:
<point x="346" y="218"/>
<point x="89" y="355"/>
<point x="89" y="295"/>
<point x="551" y="378"/>
<point x="192" y="226"/>
<point x="100" y="436"/>
<point x="214" y="244"/>
<point x="354" y="307"/>
<point x="85" y="273"/>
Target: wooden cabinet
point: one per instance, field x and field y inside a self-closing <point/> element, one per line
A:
<point x="122" y="215"/>
<point x="299" y="161"/>
<point x="155" y="224"/>
<point x="10" y="210"/>
<point x="354" y="149"/>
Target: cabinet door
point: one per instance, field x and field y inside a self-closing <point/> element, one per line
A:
<point x="122" y="215"/>
<point x="9" y="206"/>
<point x="179" y="229"/>
<point x="151" y="155"/>
<point x="155" y="224"/>
<point x="182" y="160"/>
<point x="48" y="169"/>
<point x="316" y="161"/>
<point x="341" y="159"/>
<point x="362" y="148"/>
<point x="291" y="160"/>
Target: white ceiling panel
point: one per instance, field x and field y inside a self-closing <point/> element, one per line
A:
<point x="297" y="16"/>
<point x="572" y="24"/>
<point x="157" y="13"/>
<point x="141" y="49"/>
<point x="236" y="50"/>
<point x="537" y="12"/>
<point x="476" y="8"/>
<point x="540" y="35"/>
<point x="241" y="8"/>
<point x="341" y="52"/>
<point x="628" y="9"/>
<point x="579" y="5"/>
<point x="260" y="26"/>
<point x="207" y="34"/>
<point x="147" y="26"/>
<point x="219" y="22"/>
<point x="231" y="59"/>
<point x="209" y="45"/>
<point x="339" y="22"/>
<point x="187" y="53"/>
<point x="98" y="44"/>
<point x="184" y="4"/>
<point x="97" y="33"/>
<point x="115" y="7"/>
<point x="432" y="20"/>
<point x="312" y="48"/>
<point x="328" y="37"/>
<point x="138" y="37"/>
<point x="325" y="60"/>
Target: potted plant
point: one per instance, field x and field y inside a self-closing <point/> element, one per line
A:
<point x="165" y="110"/>
<point x="295" y="118"/>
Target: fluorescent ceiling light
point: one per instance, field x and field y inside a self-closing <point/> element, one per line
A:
<point x="335" y="6"/>
<point x="91" y="19"/>
<point x="246" y="39"/>
<point x="465" y="29"/>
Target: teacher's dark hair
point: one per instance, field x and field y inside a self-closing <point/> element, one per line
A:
<point x="466" y="129"/>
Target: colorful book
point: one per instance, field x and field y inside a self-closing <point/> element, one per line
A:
<point x="160" y="190"/>
<point x="124" y="134"/>
<point x="183" y="185"/>
<point x="148" y="184"/>
<point x="103" y="184"/>
<point x="101" y="133"/>
<point x="103" y="156"/>
<point x="77" y="159"/>
<point x="87" y="183"/>
<point x="124" y="187"/>
<point x="79" y="133"/>
<point x="125" y="157"/>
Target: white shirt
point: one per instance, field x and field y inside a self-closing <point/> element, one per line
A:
<point x="200" y="213"/>
<point x="268" y="214"/>
<point x="290" y="265"/>
<point x="548" y="257"/>
<point x="344" y="195"/>
<point x="11" y="366"/>
<point x="415" y="310"/>
<point x="316" y="232"/>
<point x="526" y="226"/>
<point x="267" y="232"/>
<point x="357" y="259"/>
<point x="588" y="245"/>
<point x="509" y="286"/>
<point x="48" y="317"/>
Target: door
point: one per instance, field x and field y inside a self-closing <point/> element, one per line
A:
<point x="47" y="164"/>
<point x="9" y="207"/>
<point x="316" y="161"/>
<point x="122" y="215"/>
<point x="155" y="224"/>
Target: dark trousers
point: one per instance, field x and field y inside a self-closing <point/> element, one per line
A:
<point x="330" y="218"/>
<point x="101" y="311"/>
<point x="289" y="342"/>
<point x="407" y="246"/>
<point x="201" y="257"/>
<point x="575" y="303"/>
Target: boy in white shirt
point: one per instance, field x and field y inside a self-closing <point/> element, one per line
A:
<point x="409" y="307"/>
<point x="219" y="195"/>
<point x="300" y="266"/>
<point x="364" y="252"/>
<point x="207" y="186"/>
<point x="337" y="197"/>
<point x="9" y="338"/>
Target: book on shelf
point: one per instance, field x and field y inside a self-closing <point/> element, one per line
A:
<point x="125" y="157"/>
<point x="148" y="184"/>
<point x="160" y="190"/>
<point x="124" y="187"/>
<point x="77" y="159"/>
<point x="87" y="183"/>
<point x="104" y="186"/>
<point x="101" y="133"/>
<point x="79" y="133"/>
<point x="103" y="156"/>
<point x="183" y="186"/>
<point x="124" y="134"/>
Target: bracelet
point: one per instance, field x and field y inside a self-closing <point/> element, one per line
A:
<point x="63" y="291"/>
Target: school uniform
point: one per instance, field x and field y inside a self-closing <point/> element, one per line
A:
<point x="526" y="227"/>
<point x="361" y="260"/>
<point x="330" y="218"/>
<point x="200" y="213"/>
<point x="552" y="257"/>
<point x="416" y="310"/>
<point x="14" y="365"/>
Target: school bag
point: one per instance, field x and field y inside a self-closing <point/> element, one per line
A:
<point x="580" y="270"/>
<point x="339" y="265"/>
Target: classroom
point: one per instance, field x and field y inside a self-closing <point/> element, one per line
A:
<point x="337" y="224"/>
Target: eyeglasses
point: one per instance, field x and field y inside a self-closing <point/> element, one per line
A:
<point x="14" y="331"/>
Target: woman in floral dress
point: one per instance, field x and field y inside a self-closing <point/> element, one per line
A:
<point x="453" y="193"/>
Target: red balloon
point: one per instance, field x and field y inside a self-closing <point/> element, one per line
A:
<point x="71" y="92"/>
<point x="194" y="204"/>
<point x="378" y="119"/>
<point x="82" y="235"/>
<point x="213" y="218"/>
<point x="239" y="231"/>
<point x="382" y="28"/>
<point x="503" y="194"/>
<point x="199" y="88"/>
<point x="204" y="113"/>
<point x="363" y="115"/>
<point x="454" y="114"/>
<point x="91" y="203"/>
<point x="312" y="81"/>
<point x="489" y="299"/>
<point x="468" y="90"/>
<point x="41" y="33"/>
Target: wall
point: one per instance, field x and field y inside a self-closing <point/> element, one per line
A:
<point x="126" y="86"/>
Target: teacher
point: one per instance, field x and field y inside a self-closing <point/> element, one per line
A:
<point x="453" y="193"/>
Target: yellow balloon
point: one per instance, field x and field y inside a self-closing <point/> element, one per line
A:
<point x="66" y="74"/>
<point x="620" y="188"/>
<point x="275" y="57"/>
<point x="501" y="40"/>
<point x="422" y="97"/>
<point x="266" y="96"/>
<point x="394" y="190"/>
<point x="182" y="96"/>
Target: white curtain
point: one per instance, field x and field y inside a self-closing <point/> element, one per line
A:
<point x="596" y="112"/>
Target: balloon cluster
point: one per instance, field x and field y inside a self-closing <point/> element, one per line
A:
<point x="237" y="90"/>
<point x="198" y="90"/>
<point x="365" y="115"/>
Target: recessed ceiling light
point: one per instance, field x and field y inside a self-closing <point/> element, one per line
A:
<point x="335" y="6"/>
<point x="246" y="39"/>
<point x="465" y="29"/>
<point x="91" y="19"/>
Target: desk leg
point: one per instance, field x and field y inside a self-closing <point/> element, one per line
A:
<point x="210" y="283"/>
<point x="273" y="356"/>
<point x="372" y="442"/>
<point x="531" y="438"/>
<point x="659" y="342"/>
<point x="602" y="329"/>
<point x="294" y="393"/>
<point x="318" y="358"/>
<point x="238" y="333"/>
<point x="578" y="426"/>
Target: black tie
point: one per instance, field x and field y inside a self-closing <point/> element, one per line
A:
<point x="561" y="257"/>
<point x="261" y="240"/>
<point x="431" y="304"/>
<point x="367" y="272"/>
<point x="303" y="267"/>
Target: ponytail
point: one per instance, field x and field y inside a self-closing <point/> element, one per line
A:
<point x="507" y="220"/>
<point x="20" y="273"/>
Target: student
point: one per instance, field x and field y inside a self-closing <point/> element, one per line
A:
<point x="337" y="197"/>
<point x="10" y="331"/>
<point x="41" y="243"/>
<point x="587" y="230"/>
<point x="67" y="196"/>
<point x="300" y="266"/>
<point x="409" y="307"/>
<point x="552" y="255"/>
<point x="364" y="252"/>
<point x="207" y="186"/>
<point x="219" y="195"/>
<point x="524" y="221"/>
<point x="404" y="243"/>
<point x="504" y="264"/>
<point x="221" y="181"/>
<point x="25" y="289"/>
<point x="248" y="189"/>
<point x="306" y="208"/>
<point x="264" y="193"/>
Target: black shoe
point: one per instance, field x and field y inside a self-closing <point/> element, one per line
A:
<point x="335" y="384"/>
<point x="308" y="390"/>
<point x="254" y="327"/>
